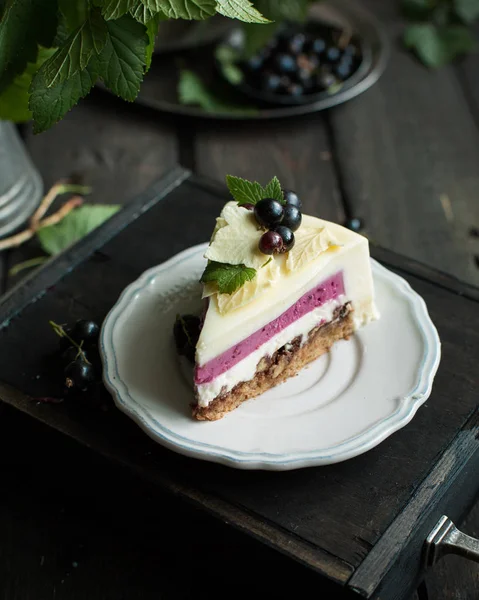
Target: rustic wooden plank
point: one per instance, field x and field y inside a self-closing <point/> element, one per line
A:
<point x="408" y="151"/>
<point x="398" y="554"/>
<point x="454" y="578"/>
<point x="308" y="522"/>
<point x="297" y="152"/>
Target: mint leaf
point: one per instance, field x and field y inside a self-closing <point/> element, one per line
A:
<point x="74" y="226"/>
<point x="242" y="10"/>
<point x="191" y="90"/>
<point x="114" y="9"/>
<point x="182" y="9"/>
<point x="437" y="46"/>
<point x="74" y="11"/>
<point x="14" y="100"/>
<point x="49" y="105"/>
<point x="228" y="278"/>
<point x="467" y="10"/>
<point x="123" y="59"/>
<point x="77" y="51"/>
<point x="25" y="25"/>
<point x="251" y="192"/>
<point x="273" y="190"/>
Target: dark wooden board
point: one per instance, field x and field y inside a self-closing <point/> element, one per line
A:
<point x="407" y="153"/>
<point x="329" y="518"/>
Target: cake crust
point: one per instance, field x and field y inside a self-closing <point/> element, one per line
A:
<point x="283" y="364"/>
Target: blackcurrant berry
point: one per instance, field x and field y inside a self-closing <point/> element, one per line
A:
<point x="248" y="206"/>
<point x="355" y="224"/>
<point x="296" y="43"/>
<point x="255" y="63"/>
<point x="63" y="341"/>
<point x="306" y="80"/>
<point x="319" y="45"/>
<point x="333" y="53"/>
<point x="285" y="63"/>
<point x="70" y="354"/>
<point x="186" y="332"/>
<point x="271" y="82"/>
<point x="292" y="198"/>
<point x="343" y="70"/>
<point x="287" y="236"/>
<point x="79" y="374"/>
<point x="85" y="330"/>
<point x="291" y="217"/>
<point x="350" y="50"/>
<point x="295" y="90"/>
<point x="326" y="80"/>
<point x="268" y="212"/>
<point x="270" y="242"/>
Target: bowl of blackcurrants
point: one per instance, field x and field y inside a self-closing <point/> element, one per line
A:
<point x="299" y="64"/>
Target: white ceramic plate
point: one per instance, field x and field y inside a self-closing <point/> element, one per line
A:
<point x="342" y="405"/>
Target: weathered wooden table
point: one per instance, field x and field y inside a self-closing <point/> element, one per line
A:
<point x="404" y="157"/>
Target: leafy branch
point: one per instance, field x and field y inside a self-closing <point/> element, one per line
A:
<point x="72" y="221"/>
<point x="440" y="30"/>
<point x="52" y="52"/>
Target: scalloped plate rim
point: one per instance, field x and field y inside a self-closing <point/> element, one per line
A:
<point x="408" y="405"/>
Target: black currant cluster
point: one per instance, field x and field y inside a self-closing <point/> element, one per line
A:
<point x="186" y="332"/>
<point x="79" y="354"/>
<point x="280" y="220"/>
<point x="298" y="61"/>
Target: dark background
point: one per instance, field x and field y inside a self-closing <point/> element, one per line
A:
<point x="404" y="156"/>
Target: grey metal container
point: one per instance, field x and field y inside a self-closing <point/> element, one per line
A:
<point x="21" y="186"/>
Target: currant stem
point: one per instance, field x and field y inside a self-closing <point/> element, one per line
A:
<point x="58" y="329"/>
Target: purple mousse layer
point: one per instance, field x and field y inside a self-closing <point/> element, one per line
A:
<point x="322" y="293"/>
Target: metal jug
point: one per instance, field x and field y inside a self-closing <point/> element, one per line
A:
<point x="21" y="186"/>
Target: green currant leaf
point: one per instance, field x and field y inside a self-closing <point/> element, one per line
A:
<point x="256" y="37"/>
<point x="152" y="31"/>
<point x="293" y="10"/>
<point x="76" y="225"/>
<point x="228" y="278"/>
<point x="114" y="9"/>
<point x="77" y="51"/>
<point x="417" y="10"/>
<point x="182" y="9"/>
<point x="26" y="24"/>
<point x="467" y="10"/>
<point x="74" y="11"/>
<point x="251" y="192"/>
<point x="192" y="91"/>
<point x="123" y="59"/>
<point x="49" y="105"/>
<point x="438" y="46"/>
<point x="273" y="190"/>
<point x="143" y="14"/>
<point x="14" y="100"/>
<point x="243" y="10"/>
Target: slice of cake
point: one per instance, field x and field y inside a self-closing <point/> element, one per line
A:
<point x="280" y="289"/>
